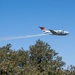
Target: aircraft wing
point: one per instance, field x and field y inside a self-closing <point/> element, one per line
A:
<point x="52" y="31"/>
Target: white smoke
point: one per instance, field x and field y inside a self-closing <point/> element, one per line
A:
<point x="21" y="37"/>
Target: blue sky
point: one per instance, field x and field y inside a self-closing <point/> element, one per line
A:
<point x="22" y="17"/>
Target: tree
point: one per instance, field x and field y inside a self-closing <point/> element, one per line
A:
<point x="44" y="58"/>
<point x="40" y="59"/>
<point x="70" y="70"/>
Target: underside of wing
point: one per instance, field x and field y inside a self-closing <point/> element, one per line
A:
<point x="52" y="31"/>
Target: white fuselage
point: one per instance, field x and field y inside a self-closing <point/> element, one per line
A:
<point x="54" y="32"/>
<point x="57" y="32"/>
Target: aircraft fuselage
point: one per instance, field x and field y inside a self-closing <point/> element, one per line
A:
<point x="54" y="32"/>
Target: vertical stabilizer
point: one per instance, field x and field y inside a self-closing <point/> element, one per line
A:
<point x="42" y="28"/>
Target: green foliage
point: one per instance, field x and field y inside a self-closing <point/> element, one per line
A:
<point x="44" y="58"/>
<point x="40" y="59"/>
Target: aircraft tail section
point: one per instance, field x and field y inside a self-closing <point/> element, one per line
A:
<point x="42" y="28"/>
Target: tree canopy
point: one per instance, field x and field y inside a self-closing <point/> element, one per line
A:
<point x="40" y="59"/>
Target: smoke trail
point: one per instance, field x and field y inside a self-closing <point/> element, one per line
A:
<point x="21" y="37"/>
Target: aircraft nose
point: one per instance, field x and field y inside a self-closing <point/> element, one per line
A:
<point x="68" y="33"/>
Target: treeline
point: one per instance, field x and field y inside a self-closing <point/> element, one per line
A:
<point x="40" y="59"/>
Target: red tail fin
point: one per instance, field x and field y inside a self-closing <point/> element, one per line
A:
<point x="42" y="28"/>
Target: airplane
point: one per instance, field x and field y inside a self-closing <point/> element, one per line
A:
<point x="54" y="32"/>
